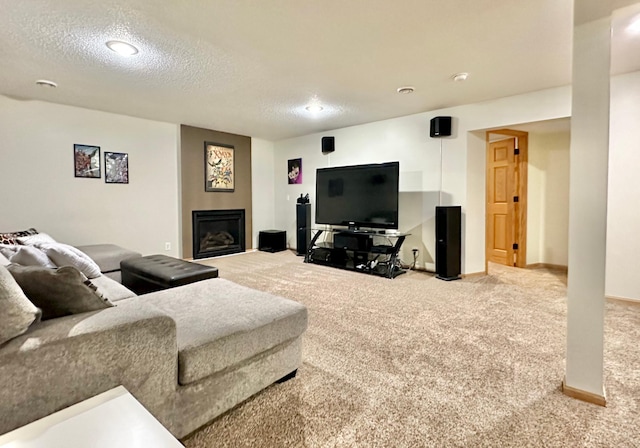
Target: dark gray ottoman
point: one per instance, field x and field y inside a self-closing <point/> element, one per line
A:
<point x="152" y="273"/>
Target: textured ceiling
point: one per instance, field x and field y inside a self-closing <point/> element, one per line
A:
<point x="250" y="67"/>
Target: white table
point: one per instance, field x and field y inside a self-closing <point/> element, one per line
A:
<point x="112" y="419"/>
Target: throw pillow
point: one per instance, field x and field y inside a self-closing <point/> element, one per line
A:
<point x="7" y="238"/>
<point x="26" y="256"/>
<point x="58" y="292"/>
<point x="64" y="255"/>
<point x="10" y="237"/>
<point x="8" y="249"/>
<point x="30" y="231"/>
<point x="34" y="240"/>
<point x="16" y="311"/>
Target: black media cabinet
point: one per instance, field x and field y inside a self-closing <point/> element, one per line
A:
<point x="367" y="251"/>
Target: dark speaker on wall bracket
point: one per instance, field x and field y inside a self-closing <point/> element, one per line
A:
<point x="440" y="127"/>
<point x="328" y="145"/>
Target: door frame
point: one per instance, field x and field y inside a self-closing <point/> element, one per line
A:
<point x="519" y="218"/>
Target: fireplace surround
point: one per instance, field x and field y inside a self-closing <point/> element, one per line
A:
<point x="217" y="232"/>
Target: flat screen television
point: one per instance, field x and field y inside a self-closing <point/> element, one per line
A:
<point x="358" y="196"/>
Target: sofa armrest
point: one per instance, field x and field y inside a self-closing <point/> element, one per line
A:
<point x="108" y="256"/>
<point x="63" y="361"/>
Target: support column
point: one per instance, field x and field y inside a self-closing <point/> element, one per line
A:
<point x="589" y="156"/>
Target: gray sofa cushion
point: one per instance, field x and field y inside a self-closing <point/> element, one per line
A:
<point x="16" y="311"/>
<point x="60" y="362"/>
<point x="58" y="292"/>
<point x="220" y="324"/>
<point x="108" y="256"/>
<point x="111" y="289"/>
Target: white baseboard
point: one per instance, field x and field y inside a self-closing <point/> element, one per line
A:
<point x="623" y="299"/>
<point x="558" y="267"/>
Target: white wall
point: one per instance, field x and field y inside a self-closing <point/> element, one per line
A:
<point x="36" y="168"/>
<point x="548" y="198"/>
<point x="262" y="181"/>
<point x="407" y="140"/>
<point x="404" y="139"/>
<point x="40" y="190"/>
<point x="527" y="108"/>
<point x="623" y="220"/>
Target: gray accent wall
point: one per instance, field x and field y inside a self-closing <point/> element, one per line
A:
<point x="193" y="194"/>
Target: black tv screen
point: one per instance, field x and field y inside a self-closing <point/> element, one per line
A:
<point x="359" y="195"/>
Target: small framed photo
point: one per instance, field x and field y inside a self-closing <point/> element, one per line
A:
<point x="116" y="168"/>
<point x="86" y="159"/>
<point x="219" y="168"/>
<point x="294" y="171"/>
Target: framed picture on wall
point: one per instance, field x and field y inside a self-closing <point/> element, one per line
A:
<point x="294" y="171"/>
<point x="86" y="161"/>
<point x="219" y="167"/>
<point x="116" y="168"/>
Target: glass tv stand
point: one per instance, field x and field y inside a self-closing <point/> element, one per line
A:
<point x="368" y="251"/>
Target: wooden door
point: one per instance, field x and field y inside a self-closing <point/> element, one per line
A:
<point x="501" y="190"/>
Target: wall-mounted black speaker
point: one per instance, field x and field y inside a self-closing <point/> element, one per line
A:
<point x="328" y="144"/>
<point x="448" y="242"/>
<point x="440" y="127"/>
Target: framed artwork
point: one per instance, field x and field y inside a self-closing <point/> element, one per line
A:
<point x="116" y="168"/>
<point x="86" y="161"/>
<point x="294" y="170"/>
<point x="219" y="168"/>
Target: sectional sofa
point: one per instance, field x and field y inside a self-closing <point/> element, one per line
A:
<point x="187" y="354"/>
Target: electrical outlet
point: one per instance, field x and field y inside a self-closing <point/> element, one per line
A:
<point x="167" y="246"/>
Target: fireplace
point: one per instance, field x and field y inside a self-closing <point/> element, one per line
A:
<point x="217" y="232"/>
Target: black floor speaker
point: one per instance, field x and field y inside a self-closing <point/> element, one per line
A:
<point x="303" y="227"/>
<point x="448" y="242"/>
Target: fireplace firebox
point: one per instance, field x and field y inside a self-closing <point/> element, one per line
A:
<point x="217" y="232"/>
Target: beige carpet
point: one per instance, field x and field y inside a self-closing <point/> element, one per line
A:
<point x="418" y="362"/>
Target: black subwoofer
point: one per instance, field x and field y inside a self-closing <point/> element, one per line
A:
<point x="303" y="228"/>
<point x="448" y="242"/>
<point x="272" y="240"/>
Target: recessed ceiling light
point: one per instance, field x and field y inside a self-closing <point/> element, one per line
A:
<point x="314" y="108"/>
<point x="460" y="76"/>
<point x="406" y="90"/>
<point x="46" y="83"/>
<point x="122" y="48"/>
